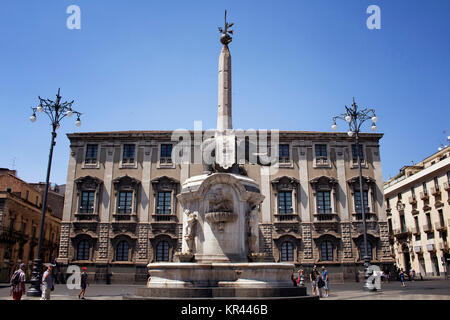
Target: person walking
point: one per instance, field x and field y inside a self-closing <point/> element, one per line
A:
<point x="18" y="282"/>
<point x="47" y="283"/>
<point x="84" y="283"/>
<point x="326" y="286"/>
<point x="413" y="274"/>
<point x="402" y="278"/>
<point x="313" y="278"/>
<point x="301" y="278"/>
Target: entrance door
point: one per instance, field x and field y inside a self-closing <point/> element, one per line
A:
<point x="407" y="261"/>
<point x="435" y="262"/>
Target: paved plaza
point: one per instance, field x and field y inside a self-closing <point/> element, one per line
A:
<point x="414" y="290"/>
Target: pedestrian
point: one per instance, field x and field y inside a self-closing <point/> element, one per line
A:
<point x="325" y="278"/>
<point x="413" y="274"/>
<point x="301" y="278"/>
<point x="313" y="278"/>
<point x="387" y="274"/>
<point x="402" y="278"/>
<point x="18" y="282"/>
<point x="47" y="283"/>
<point x="84" y="283"/>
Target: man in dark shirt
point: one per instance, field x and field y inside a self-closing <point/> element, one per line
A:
<point x="313" y="277"/>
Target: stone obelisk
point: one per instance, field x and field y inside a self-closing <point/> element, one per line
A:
<point x="224" y="119"/>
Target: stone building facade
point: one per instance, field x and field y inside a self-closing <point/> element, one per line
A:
<point x="121" y="210"/>
<point x="418" y="210"/>
<point x="20" y="218"/>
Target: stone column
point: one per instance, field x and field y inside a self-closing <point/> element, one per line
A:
<point x="342" y="185"/>
<point x="304" y="184"/>
<point x="145" y="190"/>
<point x="266" y="216"/>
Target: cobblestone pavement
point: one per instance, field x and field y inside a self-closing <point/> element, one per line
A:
<point x="414" y="290"/>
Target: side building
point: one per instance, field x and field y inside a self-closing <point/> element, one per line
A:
<point x="20" y="218"/>
<point x="418" y="210"/>
<point x="121" y="211"/>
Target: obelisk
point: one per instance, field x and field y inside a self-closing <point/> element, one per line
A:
<point x="224" y="119"/>
<point x="225" y="138"/>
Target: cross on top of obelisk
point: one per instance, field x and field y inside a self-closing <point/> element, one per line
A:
<point x="225" y="38"/>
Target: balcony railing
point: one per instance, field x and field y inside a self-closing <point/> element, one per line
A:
<point x="435" y="191"/>
<point x="86" y="216"/>
<point x="414" y="230"/>
<point x="431" y="247"/>
<point x="368" y="216"/>
<point x="412" y="200"/>
<point x="286" y="217"/>
<point x="131" y="217"/>
<point x="424" y="195"/>
<point x="164" y="217"/>
<point x="440" y="226"/>
<point x="446" y="186"/>
<point x="427" y="228"/>
<point x="418" y="249"/>
<point x="325" y="217"/>
<point x="401" y="232"/>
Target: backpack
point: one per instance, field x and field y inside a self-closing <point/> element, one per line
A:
<point x="15" y="279"/>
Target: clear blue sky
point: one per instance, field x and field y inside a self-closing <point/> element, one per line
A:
<point x="152" y="65"/>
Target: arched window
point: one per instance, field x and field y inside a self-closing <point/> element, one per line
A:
<point x="162" y="251"/>
<point x="287" y="251"/>
<point x="83" y="250"/>
<point x="362" y="251"/>
<point x="327" y="251"/>
<point x="122" y="251"/>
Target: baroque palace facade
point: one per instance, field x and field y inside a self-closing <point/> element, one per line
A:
<point x="121" y="210"/>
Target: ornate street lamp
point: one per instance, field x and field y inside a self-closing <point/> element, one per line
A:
<point x="355" y="118"/>
<point x="56" y="111"/>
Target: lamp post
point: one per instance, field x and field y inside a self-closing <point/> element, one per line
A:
<point x="56" y="111"/>
<point x="355" y="118"/>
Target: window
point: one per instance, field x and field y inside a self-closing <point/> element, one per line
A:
<point x="327" y="251"/>
<point x="128" y="153"/>
<point x="402" y="223"/>
<point x="166" y="154"/>
<point x="33" y="232"/>
<point x="87" y="202"/>
<point x="122" y="251"/>
<point x="323" y="202"/>
<point x="162" y="251"/>
<point x="361" y="153"/>
<point x="388" y="204"/>
<point x="399" y="196"/>
<point x="287" y="251"/>
<point x="125" y="201"/>
<point x="413" y="193"/>
<point x="362" y="250"/>
<point x="91" y="154"/>
<point x="428" y="219"/>
<point x="416" y="223"/>
<point x="390" y="225"/>
<point x="284" y="153"/>
<point x="448" y="177"/>
<point x="436" y="183"/>
<point x="164" y="199"/>
<point x="441" y="218"/>
<point x="321" y="153"/>
<point x="358" y="207"/>
<point x="83" y="250"/>
<point x="285" y="202"/>
<point x="424" y="186"/>
<point x="27" y="194"/>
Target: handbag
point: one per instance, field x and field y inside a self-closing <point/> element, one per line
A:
<point x="321" y="283"/>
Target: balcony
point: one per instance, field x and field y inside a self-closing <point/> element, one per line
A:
<point x="325" y="217"/>
<point x="414" y="230"/>
<point x="418" y="249"/>
<point x="368" y="216"/>
<point x="126" y="217"/>
<point x="435" y="191"/>
<point x="164" y="217"/>
<point x="424" y="195"/>
<point x="286" y="217"/>
<point x="412" y="200"/>
<point x="440" y="226"/>
<point x="86" y="217"/>
<point x="431" y="247"/>
<point x="446" y="186"/>
<point x="401" y="233"/>
<point x="428" y="228"/>
<point x="388" y="211"/>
